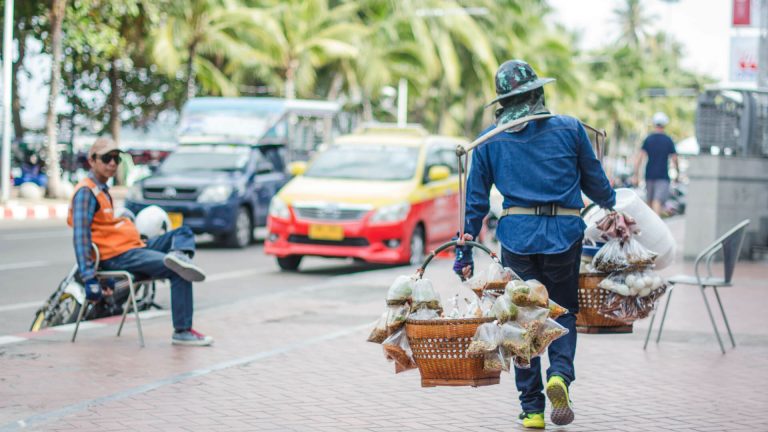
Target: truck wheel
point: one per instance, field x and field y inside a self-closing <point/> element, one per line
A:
<point x="242" y="235"/>
<point x="290" y="262"/>
<point x="417" y="246"/>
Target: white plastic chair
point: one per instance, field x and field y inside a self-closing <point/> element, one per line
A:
<point x="730" y="245"/>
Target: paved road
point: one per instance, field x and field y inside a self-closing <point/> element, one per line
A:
<point x="36" y="255"/>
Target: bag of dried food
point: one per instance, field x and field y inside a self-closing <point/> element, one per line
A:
<point x="424" y="314"/>
<point x="396" y="348"/>
<point x="425" y="296"/>
<point x="400" y="290"/>
<point x="555" y="310"/>
<point x="486" y="338"/>
<point x="476" y="283"/>
<point x="610" y="258"/>
<point x="549" y="332"/>
<point x="486" y="303"/>
<point x="517" y="342"/>
<point x="638" y="256"/>
<point x="503" y="309"/>
<point x="528" y="293"/>
<point x="396" y="317"/>
<point x="473" y="309"/>
<point x="379" y="332"/>
<point x="498" y="276"/>
<point x="495" y="361"/>
<point x="532" y="318"/>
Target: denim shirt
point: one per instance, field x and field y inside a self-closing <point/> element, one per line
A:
<point x="84" y="207"/>
<point x="550" y="161"/>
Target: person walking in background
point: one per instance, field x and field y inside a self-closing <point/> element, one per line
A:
<point x="657" y="149"/>
<point x="540" y="168"/>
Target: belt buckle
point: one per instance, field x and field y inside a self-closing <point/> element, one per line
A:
<point x="546" y="210"/>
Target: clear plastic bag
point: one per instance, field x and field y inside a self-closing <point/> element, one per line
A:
<point x="529" y="293"/>
<point x="379" y="332"/>
<point x="636" y="283"/>
<point x="549" y="332"/>
<point x="473" y="309"/>
<point x="454" y="313"/>
<point x="504" y="310"/>
<point x="555" y="310"/>
<point x="396" y="348"/>
<point x="486" y="303"/>
<point x="495" y="361"/>
<point x="424" y="313"/>
<point x="638" y="256"/>
<point x="498" y="276"/>
<point x="425" y="296"/>
<point x="516" y="340"/>
<point x="486" y="338"/>
<point x="629" y="309"/>
<point x="400" y="290"/>
<point x="610" y="258"/>
<point x="476" y="283"/>
<point x="396" y="317"/>
<point x="532" y="318"/>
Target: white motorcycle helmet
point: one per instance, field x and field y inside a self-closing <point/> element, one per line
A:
<point x="124" y="212"/>
<point x="660" y="119"/>
<point x="152" y="221"/>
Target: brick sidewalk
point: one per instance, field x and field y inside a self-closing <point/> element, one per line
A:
<point x="297" y="361"/>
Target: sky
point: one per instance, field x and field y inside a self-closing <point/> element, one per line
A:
<point x="702" y="26"/>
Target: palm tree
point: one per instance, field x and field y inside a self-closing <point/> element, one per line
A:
<point x="58" y="8"/>
<point x="633" y="22"/>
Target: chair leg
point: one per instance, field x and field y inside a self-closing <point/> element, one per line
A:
<point x="650" y="329"/>
<point x="725" y="319"/>
<point x="712" y="318"/>
<point x="136" y="312"/>
<point x="122" y="321"/>
<point x="664" y="315"/>
<point x="83" y="309"/>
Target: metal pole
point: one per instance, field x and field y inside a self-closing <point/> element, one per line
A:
<point x="5" y="169"/>
<point x="402" y="102"/>
<point x="762" y="55"/>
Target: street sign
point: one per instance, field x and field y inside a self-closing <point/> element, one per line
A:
<point x="746" y="13"/>
<point x="744" y="59"/>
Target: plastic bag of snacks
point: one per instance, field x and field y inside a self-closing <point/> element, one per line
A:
<point x="532" y="318"/>
<point x="503" y="309"/>
<point x="473" y="309"/>
<point x="486" y="338"/>
<point x="549" y="332"/>
<point x="638" y="283"/>
<point x="425" y="296"/>
<point x="638" y="256"/>
<point x="396" y="317"/>
<point x="498" y="276"/>
<point x="610" y="258"/>
<point x="424" y="314"/>
<point x="555" y="310"/>
<point x="486" y="303"/>
<point x="379" y="332"/>
<point x="400" y="290"/>
<point x="396" y="348"/>
<point x="495" y="361"/>
<point x="628" y="309"/>
<point x="517" y="343"/>
<point x="476" y="283"/>
<point x="528" y="293"/>
<point x="454" y="313"/>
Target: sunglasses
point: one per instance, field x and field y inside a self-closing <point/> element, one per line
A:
<point x="107" y="158"/>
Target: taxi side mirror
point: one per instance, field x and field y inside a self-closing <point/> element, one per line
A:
<point x="438" y="172"/>
<point x="297" y="168"/>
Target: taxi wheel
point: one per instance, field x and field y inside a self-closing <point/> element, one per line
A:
<point x="290" y="262"/>
<point x="417" y="246"/>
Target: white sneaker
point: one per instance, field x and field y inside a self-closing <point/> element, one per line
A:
<point x="191" y="338"/>
<point x="182" y="265"/>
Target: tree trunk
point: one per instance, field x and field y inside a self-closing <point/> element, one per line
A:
<point x="18" y="127"/>
<point x="58" y="7"/>
<point x="336" y="86"/>
<point x="290" y="79"/>
<point x="191" y="71"/>
<point x="115" y="95"/>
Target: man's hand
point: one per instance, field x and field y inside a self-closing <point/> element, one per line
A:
<point x="463" y="265"/>
<point x="93" y="291"/>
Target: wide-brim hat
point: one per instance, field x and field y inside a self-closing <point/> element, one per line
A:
<point x="515" y="77"/>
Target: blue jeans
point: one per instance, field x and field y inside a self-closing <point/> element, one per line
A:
<point x="560" y="274"/>
<point x="147" y="262"/>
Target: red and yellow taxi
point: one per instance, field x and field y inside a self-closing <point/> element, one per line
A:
<point x="382" y="194"/>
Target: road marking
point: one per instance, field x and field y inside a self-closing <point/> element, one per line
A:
<point x="50" y="416"/>
<point x="18" y="306"/>
<point x="234" y="275"/>
<point x="23" y="265"/>
<point x="36" y="235"/>
<point x="10" y="339"/>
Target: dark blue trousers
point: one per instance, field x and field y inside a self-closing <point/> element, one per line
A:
<point x="560" y="274"/>
<point x="148" y="262"/>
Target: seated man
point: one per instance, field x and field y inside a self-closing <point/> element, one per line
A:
<point x="121" y="248"/>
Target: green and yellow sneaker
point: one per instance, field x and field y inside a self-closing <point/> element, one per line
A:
<point x="532" y="420"/>
<point x="557" y="392"/>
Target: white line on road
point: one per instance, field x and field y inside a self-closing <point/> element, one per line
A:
<point x="17" y="306"/>
<point x="23" y="265"/>
<point x="36" y="235"/>
<point x="234" y="275"/>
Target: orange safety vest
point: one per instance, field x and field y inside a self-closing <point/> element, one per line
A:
<point x="111" y="235"/>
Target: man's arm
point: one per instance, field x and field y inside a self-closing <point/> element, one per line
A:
<point x="83" y="209"/>
<point x="639" y="159"/>
<point x="594" y="182"/>
<point x="479" y="183"/>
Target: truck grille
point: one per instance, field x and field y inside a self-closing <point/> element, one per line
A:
<point x="171" y="193"/>
<point x="332" y="213"/>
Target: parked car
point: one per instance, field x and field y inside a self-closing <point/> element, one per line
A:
<point x="382" y="195"/>
<point x="223" y="189"/>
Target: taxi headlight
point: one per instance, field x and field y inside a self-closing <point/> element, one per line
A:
<point x="391" y="213"/>
<point x="215" y="194"/>
<point x="278" y="209"/>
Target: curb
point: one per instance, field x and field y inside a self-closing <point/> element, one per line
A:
<point x="39" y="211"/>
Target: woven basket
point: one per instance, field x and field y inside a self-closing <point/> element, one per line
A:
<point x="440" y="350"/>
<point x="588" y="320"/>
<point x="440" y="346"/>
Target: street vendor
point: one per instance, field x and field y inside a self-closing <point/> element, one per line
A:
<point x="541" y="169"/>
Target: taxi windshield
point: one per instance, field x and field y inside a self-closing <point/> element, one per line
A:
<point x="206" y="158"/>
<point x="365" y="162"/>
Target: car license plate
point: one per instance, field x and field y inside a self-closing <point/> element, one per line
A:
<point x="176" y="219"/>
<point x="326" y="232"/>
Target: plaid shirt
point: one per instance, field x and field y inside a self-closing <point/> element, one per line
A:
<point x="84" y="207"/>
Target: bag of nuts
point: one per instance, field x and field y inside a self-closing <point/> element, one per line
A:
<point x="396" y="348"/>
